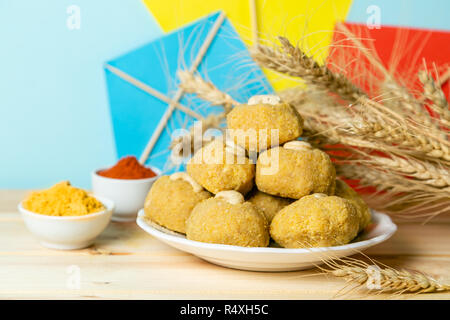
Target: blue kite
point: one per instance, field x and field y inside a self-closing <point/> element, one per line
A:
<point x="142" y="83"/>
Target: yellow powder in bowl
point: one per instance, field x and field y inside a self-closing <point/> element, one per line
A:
<point x="62" y="200"/>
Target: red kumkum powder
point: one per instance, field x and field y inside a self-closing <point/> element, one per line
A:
<point x="127" y="168"/>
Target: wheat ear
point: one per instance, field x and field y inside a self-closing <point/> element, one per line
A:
<point x="377" y="277"/>
<point x="294" y="62"/>
<point x="205" y="90"/>
<point x="423" y="171"/>
<point x="383" y="279"/>
<point x="368" y="124"/>
<point x="434" y="93"/>
<point x="397" y="194"/>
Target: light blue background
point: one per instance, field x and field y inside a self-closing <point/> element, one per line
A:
<point x="430" y="14"/>
<point x="54" y="115"/>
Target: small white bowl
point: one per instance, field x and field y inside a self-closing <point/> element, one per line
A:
<point x="67" y="232"/>
<point x="271" y="258"/>
<point x="128" y="194"/>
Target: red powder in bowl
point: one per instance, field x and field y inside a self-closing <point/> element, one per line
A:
<point x="127" y="168"/>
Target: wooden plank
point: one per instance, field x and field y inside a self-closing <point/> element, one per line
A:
<point x="9" y="199"/>
<point x="127" y="263"/>
<point x="128" y="238"/>
<point x="158" y="277"/>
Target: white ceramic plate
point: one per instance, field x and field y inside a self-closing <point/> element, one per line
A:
<point x="270" y="258"/>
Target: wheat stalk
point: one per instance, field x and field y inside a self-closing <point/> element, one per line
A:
<point x="413" y="137"/>
<point x="205" y="90"/>
<point x="397" y="194"/>
<point x="398" y="98"/>
<point x="434" y="93"/>
<point x="359" y="128"/>
<point x="387" y="180"/>
<point x="403" y="137"/>
<point x="423" y="171"/>
<point x="376" y="277"/>
<point x="383" y="279"/>
<point x="434" y="144"/>
<point x="293" y="61"/>
<point x="395" y="95"/>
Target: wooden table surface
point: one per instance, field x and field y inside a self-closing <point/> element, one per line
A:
<point x="127" y="263"/>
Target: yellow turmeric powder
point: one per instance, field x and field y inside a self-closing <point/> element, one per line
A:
<point x="62" y="200"/>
